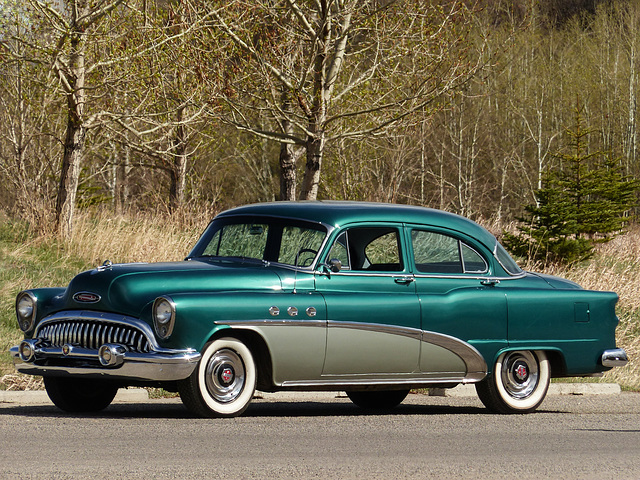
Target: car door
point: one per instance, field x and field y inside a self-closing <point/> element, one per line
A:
<point x="373" y="314"/>
<point x="463" y="308"/>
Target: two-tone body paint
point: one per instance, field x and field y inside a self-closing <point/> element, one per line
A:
<point x="325" y="329"/>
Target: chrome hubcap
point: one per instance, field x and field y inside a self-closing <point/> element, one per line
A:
<point x="519" y="374"/>
<point x="225" y="375"/>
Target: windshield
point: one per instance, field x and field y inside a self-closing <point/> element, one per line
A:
<point x="289" y="242"/>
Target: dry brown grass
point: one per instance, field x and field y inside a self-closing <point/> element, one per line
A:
<point x="143" y="238"/>
<point x="19" y="381"/>
<point x="616" y="267"/>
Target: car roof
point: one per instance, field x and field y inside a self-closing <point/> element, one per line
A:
<point x="339" y="213"/>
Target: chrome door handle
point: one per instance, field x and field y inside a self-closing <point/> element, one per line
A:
<point x="403" y="280"/>
<point x="490" y="282"/>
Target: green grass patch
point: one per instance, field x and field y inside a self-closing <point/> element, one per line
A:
<point x="27" y="262"/>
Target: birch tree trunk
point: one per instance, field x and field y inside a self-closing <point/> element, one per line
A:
<point x="287" y="160"/>
<point x="73" y="78"/>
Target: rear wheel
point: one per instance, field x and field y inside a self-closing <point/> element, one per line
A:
<point x="378" y="400"/>
<point x="223" y="383"/>
<point x="77" y="395"/>
<point x="518" y="384"/>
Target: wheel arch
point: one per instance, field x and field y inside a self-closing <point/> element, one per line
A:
<point x="554" y="356"/>
<point x="258" y="347"/>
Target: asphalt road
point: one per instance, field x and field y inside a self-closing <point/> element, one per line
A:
<point x="580" y="437"/>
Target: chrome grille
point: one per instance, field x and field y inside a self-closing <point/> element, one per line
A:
<point x="92" y="335"/>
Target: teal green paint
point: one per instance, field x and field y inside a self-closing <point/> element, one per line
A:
<point x="365" y="323"/>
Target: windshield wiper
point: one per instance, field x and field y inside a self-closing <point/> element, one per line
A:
<point x="237" y="258"/>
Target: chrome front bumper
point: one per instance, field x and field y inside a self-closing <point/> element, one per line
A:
<point x="616" y="357"/>
<point x="154" y="366"/>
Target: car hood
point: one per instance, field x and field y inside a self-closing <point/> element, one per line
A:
<point x="128" y="288"/>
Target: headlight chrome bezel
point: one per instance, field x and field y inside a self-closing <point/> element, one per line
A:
<point x="26" y="310"/>
<point x="163" y="313"/>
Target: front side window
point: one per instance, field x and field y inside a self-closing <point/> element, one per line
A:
<point x="299" y="245"/>
<point x="368" y="248"/>
<point x="441" y="254"/>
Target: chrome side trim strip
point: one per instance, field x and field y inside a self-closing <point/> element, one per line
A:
<point x="414" y="333"/>
<point x="476" y="365"/>
<point x="414" y="382"/>
<point x="614" y="358"/>
<point x="472" y="358"/>
<point x="272" y="322"/>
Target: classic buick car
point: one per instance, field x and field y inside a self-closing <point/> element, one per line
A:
<point x="371" y="299"/>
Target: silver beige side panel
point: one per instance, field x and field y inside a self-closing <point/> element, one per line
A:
<point x="298" y="354"/>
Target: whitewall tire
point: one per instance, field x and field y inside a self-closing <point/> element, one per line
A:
<point x="518" y="384"/>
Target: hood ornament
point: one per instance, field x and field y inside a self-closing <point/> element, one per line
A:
<point x="105" y="266"/>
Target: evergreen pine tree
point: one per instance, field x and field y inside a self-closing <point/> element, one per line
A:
<point x="583" y="202"/>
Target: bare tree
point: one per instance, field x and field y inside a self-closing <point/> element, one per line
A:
<point x="63" y="48"/>
<point x="331" y="69"/>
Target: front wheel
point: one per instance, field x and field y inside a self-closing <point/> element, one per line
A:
<point x="77" y="395"/>
<point x="224" y="381"/>
<point x="378" y="400"/>
<point x="518" y="384"/>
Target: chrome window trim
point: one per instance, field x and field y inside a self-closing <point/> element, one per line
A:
<point x="464" y="268"/>
<point x="495" y="255"/>
<point x="367" y="273"/>
<point x="472" y="276"/>
<point x="460" y="243"/>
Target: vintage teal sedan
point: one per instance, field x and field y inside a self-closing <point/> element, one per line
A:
<point x="371" y="299"/>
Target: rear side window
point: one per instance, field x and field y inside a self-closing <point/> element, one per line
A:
<point x="437" y="253"/>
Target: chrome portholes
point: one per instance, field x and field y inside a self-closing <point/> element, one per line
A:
<point x="519" y="374"/>
<point x="225" y="375"/>
<point x="292" y="311"/>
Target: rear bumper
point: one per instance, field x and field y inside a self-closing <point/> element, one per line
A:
<point x="616" y="357"/>
<point x="155" y="366"/>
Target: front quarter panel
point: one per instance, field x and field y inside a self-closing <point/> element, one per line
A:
<point x="48" y="300"/>
<point x="291" y="325"/>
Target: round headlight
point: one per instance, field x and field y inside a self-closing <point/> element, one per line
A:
<point x="164" y="313"/>
<point x="26" y="310"/>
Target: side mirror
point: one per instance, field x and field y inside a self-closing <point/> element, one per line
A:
<point x="335" y="265"/>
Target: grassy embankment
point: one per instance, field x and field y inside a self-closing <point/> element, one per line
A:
<point x="28" y="261"/>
